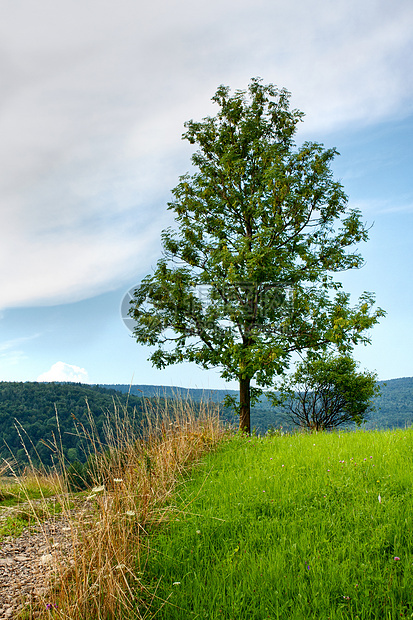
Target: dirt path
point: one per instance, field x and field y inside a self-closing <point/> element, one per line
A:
<point x="28" y="561"/>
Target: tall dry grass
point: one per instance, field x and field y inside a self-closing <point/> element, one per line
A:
<point x="133" y="477"/>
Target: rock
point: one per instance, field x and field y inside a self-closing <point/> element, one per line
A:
<point x="6" y="562"/>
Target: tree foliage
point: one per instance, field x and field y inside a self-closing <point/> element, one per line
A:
<point x="327" y="392"/>
<point x="247" y="276"/>
<point x="52" y="417"/>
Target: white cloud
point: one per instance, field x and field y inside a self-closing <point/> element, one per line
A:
<point x="9" y="345"/>
<point x="96" y="94"/>
<point x="11" y="351"/>
<point x="70" y="265"/>
<point x="11" y="358"/>
<point x="64" y="372"/>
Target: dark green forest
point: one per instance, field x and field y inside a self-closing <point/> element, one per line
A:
<point x="394" y="405"/>
<point x="393" y="408"/>
<point x="45" y="414"/>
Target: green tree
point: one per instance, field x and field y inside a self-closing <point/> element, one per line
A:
<point x="326" y="392"/>
<point x="262" y="227"/>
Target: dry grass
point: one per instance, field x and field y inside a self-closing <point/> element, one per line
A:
<point x="133" y="479"/>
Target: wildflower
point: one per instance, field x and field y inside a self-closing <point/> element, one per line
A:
<point x="130" y="513"/>
<point x="198" y="531"/>
<point x="176" y="583"/>
<point x="308" y="567"/>
<point x="379" y="498"/>
<point x="282" y="465"/>
<point x="98" y="489"/>
<point x="396" y="558"/>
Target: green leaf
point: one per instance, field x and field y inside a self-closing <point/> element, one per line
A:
<point x="247" y="275"/>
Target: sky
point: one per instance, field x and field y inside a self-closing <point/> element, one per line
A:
<point x="95" y="94"/>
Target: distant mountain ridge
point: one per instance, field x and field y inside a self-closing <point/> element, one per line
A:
<point x="155" y="391"/>
<point x="33" y="405"/>
<point x="47" y="413"/>
<point x="394" y="405"/>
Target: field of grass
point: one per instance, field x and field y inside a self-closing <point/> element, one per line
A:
<point x="290" y="527"/>
<point x="195" y="522"/>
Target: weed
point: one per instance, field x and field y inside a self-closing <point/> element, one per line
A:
<point x="130" y="477"/>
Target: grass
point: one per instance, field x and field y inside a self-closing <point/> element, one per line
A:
<point x="28" y="496"/>
<point x="302" y="527"/>
<point x="31" y="485"/>
<point x="131" y="483"/>
<point x="286" y="527"/>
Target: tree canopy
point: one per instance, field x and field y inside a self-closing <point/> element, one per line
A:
<point x="37" y="420"/>
<point x="326" y="392"/>
<point x="247" y="275"/>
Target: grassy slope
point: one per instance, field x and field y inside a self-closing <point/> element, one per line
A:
<point x="292" y="528"/>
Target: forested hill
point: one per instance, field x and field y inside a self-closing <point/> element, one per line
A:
<point x="34" y="405"/>
<point x="155" y="391"/>
<point x="394" y="405"/>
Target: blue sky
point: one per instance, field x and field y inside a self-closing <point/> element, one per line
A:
<point x="95" y="98"/>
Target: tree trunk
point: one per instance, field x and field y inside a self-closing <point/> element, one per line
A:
<point x="245" y="405"/>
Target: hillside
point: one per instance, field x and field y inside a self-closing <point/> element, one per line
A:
<point x="32" y="406"/>
<point x="263" y="414"/>
<point x="297" y="528"/>
<point x="393" y="407"/>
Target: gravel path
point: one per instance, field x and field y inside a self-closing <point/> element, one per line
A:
<point x="28" y="561"/>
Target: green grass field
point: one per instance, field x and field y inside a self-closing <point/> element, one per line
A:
<point x="292" y="527"/>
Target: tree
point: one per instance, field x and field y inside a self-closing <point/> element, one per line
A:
<point x="262" y="227"/>
<point x="326" y="392"/>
